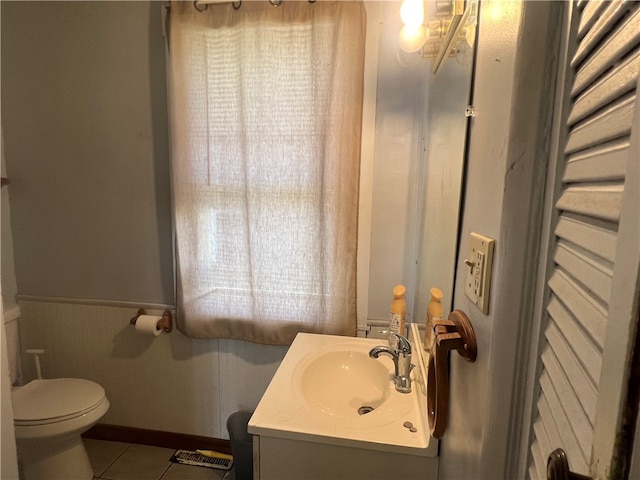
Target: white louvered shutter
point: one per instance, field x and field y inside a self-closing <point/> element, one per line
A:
<point x="592" y="288"/>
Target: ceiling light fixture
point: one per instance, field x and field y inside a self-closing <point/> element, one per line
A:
<point x="454" y="21"/>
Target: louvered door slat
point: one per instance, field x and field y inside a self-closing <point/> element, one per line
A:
<point x="589" y="234"/>
<point x="591" y="13"/>
<point x="585" y="390"/>
<point x="615" y="9"/>
<point x="582" y="265"/>
<point x="576" y="416"/>
<point x="542" y="438"/>
<point x="586" y="352"/>
<point x="538" y="465"/>
<point x="609" y="124"/>
<point x="544" y="446"/>
<point x="598" y="200"/>
<point x="610" y="52"/>
<point x="592" y="315"/>
<point x="606" y="162"/>
<point x="550" y="426"/>
<point x="616" y="83"/>
<point x="580" y="4"/>
<point x="559" y="417"/>
<point x="542" y="452"/>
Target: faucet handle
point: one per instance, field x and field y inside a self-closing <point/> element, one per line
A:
<point x="402" y="344"/>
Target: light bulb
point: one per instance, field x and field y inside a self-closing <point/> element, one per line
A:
<point x="412" y="39"/>
<point x="412" y="13"/>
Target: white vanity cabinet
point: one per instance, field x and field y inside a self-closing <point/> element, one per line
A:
<point x="282" y="459"/>
<point x="332" y="412"/>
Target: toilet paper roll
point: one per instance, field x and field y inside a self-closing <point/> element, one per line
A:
<point x="148" y="325"/>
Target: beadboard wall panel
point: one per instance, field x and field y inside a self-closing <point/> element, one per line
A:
<point x="167" y="383"/>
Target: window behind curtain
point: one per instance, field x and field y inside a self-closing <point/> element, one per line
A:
<point x="265" y="127"/>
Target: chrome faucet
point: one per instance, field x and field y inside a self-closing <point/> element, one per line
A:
<point x="401" y="356"/>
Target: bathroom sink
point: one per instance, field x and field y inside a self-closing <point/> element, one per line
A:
<point x="344" y="383"/>
<point x="328" y="390"/>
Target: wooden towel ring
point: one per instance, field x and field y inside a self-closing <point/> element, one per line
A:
<point x="455" y="333"/>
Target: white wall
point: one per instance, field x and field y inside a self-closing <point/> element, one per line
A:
<point x="8" y="457"/>
<point x="8" y="273"/>
<point x="513" y="97"/>
<point x="86" y="143"/>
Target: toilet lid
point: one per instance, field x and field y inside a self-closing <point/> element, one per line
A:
<point x="49" y="399"/>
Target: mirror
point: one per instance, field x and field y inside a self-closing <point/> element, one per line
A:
<point x="421" y="126"/>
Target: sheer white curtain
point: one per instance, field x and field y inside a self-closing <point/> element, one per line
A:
<point x="266" y="107"/>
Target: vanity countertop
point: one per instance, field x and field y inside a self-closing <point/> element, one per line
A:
<point x="284" y="413"/>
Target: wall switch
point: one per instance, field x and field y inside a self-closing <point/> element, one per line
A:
<point x="479" y="261"/>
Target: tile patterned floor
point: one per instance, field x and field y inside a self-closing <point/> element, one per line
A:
<point x="127" y="461"/>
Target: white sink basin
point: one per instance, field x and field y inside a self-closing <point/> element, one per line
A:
<point x="328" y="390"/>
<point x="344" y="383"/>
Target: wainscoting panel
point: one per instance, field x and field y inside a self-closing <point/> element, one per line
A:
<point x="169" y="383"/>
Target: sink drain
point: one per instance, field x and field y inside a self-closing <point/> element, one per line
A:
<point x="365" y="409"/>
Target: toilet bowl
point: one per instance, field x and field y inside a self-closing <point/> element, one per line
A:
<point x="49" y="417"/>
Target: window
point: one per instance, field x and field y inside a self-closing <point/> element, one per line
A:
<point x="266" y="108"/>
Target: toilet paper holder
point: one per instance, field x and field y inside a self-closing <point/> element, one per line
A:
<point x="165" y="322"/>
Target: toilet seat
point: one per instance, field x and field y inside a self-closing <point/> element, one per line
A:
<point x="46" y="401"/>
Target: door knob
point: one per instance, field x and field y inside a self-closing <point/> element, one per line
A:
<point x="558" y="467"/>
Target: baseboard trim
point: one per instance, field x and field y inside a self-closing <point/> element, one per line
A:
<point x="156" y="438"/>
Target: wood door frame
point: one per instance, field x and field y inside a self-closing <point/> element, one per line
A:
<point x="531" y="369"/>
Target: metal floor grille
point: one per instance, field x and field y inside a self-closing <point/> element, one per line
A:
<point x="187" y="457"/>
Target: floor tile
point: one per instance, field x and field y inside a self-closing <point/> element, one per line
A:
<point x="140" y="462"/>
<point x="188" y="472"/>
<point x="102" y="453"/>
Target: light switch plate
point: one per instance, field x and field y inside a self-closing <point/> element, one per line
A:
<point x="479" y="261"/>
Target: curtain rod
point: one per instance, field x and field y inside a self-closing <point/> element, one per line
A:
<point x="202" y="5"/>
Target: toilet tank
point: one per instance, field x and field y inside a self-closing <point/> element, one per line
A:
<point x="11" y="316"/>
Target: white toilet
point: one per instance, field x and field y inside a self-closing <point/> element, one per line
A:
<point x="49" y="416"/>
